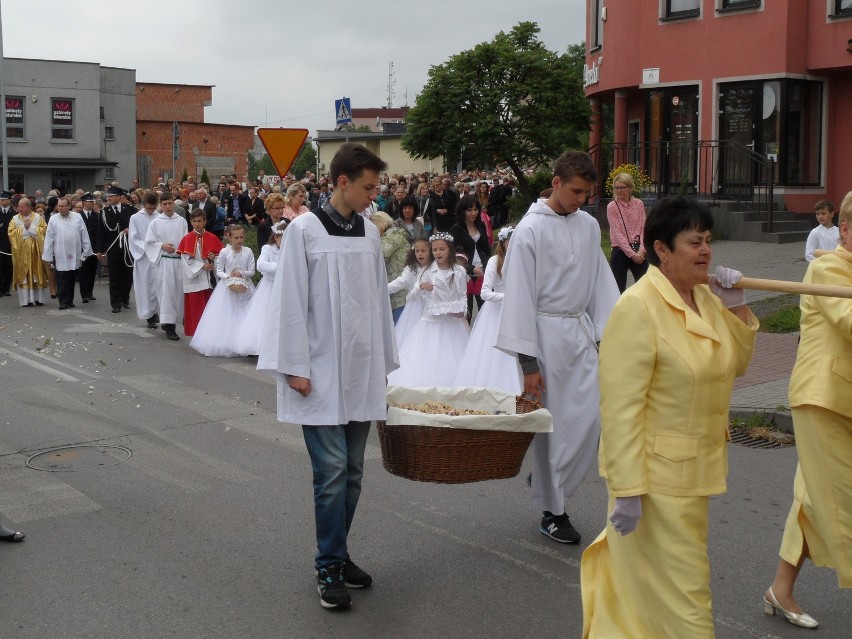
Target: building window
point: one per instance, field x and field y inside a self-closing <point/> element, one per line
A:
<point x="803" y="126"/>
<point x="596" y="35"/>
<point x="109" y="174"/>
<point x="62" y="119"/>
<point x="683" y="8"/>
<point x="109" y="133"/>
<point x="102" y="114"/>
<point x="740" y="4"/>
<point x="843" y="7"/>
<point x="15" y="117"/>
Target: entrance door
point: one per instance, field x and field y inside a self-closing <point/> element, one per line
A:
<point x="739" y="123"/>
<point x="672" y="133"/>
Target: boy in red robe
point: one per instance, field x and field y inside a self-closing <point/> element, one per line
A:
<point x="197" y="249"/>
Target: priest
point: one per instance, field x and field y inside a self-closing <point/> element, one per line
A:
<point x="26" y="239"/>
<point x="66" y="245"/>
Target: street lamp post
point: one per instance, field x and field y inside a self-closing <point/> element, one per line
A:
<point x="3" y="110"/>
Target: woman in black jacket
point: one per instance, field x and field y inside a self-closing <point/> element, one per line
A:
<point x="471" y="238"/>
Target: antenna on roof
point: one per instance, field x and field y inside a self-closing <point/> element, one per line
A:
<point x="391" y="84"/>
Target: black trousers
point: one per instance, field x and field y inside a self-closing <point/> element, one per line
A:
<point x="5" y="273"/>
<point x="620" y="264"/>
<point x="86" y="275"/>
<point x="65" y="287"/>
<point x="120" y="278"/>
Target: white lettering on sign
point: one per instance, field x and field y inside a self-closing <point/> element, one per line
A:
<point x="62" y="115"/>
<point x="592" y="75"/>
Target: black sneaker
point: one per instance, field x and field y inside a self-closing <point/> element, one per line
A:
<point x="355" y="577"/>
<point x="559" y="528"/>
<point x="332" y="588"/>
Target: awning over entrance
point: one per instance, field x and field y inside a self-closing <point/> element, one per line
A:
<point x="59" y="163"/>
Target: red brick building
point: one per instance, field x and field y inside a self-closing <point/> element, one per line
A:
<point x="733" y="99"/>
<point x="219" y="148"/>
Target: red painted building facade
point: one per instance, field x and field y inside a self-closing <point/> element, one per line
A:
<point x="714" y="97"/>
<point x="222" y="149"/>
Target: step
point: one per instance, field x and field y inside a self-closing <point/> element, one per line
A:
<point x="754" y="232"/>
<point x="787" y="225"/>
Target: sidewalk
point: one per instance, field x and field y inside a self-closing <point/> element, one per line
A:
<point x="764" y="386"/>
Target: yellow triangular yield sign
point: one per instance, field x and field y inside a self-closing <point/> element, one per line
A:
<point x="282" y="145"/>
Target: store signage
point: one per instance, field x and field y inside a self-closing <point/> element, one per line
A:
<point x="651" y="76"/>
<point x="14" y="111"/>
<point x="62" y="111"/>
<point x="592" y="75"/>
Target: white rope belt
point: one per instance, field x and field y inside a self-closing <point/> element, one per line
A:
<point x="578" y="317"/>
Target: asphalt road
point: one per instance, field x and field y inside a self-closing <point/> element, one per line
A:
<point x="206" y="530"/>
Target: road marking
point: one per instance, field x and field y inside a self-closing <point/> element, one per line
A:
<point x="29" y="361"/>
<point x="249" y="370"/>
<point x="100" y="325"/>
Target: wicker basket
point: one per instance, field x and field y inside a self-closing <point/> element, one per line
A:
<point x="454" y="455"/>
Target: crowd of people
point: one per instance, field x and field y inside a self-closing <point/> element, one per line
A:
<point x="369" y="279"/>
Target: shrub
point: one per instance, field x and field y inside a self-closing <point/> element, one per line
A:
<point x="640" y="178"/>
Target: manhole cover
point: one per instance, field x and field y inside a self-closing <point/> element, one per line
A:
<point x="743" y="439"/>
<point x="72" y="459"/>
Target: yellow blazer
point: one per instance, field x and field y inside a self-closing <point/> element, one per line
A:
<point x="822" y="375"/>
<point x="666" y="376"/>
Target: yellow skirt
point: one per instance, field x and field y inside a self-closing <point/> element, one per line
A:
<point x="654" y="582"/>
<point x="821" y="515"/>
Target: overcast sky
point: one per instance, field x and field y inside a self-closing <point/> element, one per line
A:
<point x="277" y="62"/>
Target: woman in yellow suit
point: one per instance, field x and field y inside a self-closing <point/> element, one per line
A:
<point x="820" y="522"/>
<point x="669" y="355"/>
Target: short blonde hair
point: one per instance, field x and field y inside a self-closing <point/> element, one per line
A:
<point x="273" y="199"/>
<point x="382" y="220"/>
<point x="626" y="179"/>
<point x="846" y="210"/>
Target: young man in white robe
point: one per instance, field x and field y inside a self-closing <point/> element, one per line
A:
<point x="559" y="294"/>
<point x="161" y="241"/>
<point x="144" y="270"/>
<point x="330" y="343"/>
<point x="66" y="245"/>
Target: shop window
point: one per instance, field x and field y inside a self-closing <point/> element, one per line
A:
<point x="62" y="119"/>
<point x="803" y="114"/>
<point x="109" y="174"/>
<point x="15" y="117"/>
<point x="109" y="133"/>
<point x="596" y="31"/>
<point x="842" y="7"/>
<point x="682" y="8"/>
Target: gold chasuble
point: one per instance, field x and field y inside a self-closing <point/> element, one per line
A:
<point x="28" y="269"/>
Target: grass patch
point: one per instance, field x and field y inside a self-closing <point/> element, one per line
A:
<point x="784" y="320"/>
<point x="759" y="425"/>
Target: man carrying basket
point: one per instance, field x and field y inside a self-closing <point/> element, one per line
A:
<point x="559" y="294"/>
<point x="331" y="347"/>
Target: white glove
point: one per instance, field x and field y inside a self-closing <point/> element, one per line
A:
<point x="626" y="513"/>
<point x="721" y="283"/>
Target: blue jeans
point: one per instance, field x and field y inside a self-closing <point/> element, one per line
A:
<point x="396" y="313"/>
<point x="337" y="460"/>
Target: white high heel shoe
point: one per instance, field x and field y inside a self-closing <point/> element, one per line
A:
<point x="771" y="606"/>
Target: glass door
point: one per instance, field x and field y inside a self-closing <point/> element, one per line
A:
<point x="672" y="134"/>
<point x="739" y="121"/>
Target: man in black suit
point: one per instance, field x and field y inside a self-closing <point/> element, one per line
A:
<point x="235" y="204"/>
<point x="114" y="222"/>
<point x="254" y="207"/>
<point x="89" y="269"/>
<point x="7" y="212"/>
<point x="202" y="201"/>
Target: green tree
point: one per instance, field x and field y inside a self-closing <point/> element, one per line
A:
<point x="184" y="176"/>
<point x="205" y="179"/>
<point x="510" y="101"/>
<point x="265" y="163"/>
<point x="305" y="161"/>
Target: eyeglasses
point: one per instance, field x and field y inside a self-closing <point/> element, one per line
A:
<point x="620" y="188"/>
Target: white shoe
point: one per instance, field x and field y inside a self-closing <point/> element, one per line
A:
<point x="771" y="606"/>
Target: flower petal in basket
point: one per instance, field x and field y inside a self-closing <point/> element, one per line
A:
<point x="500" y="405"/>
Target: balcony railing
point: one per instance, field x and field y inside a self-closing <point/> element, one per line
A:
<point x="715" y="169"/>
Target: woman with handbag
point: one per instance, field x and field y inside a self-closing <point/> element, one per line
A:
<point x="471" y="238"/>
<point x="626" y="216"/>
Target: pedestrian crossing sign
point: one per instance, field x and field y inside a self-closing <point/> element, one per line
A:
<point x="343" y="111"/>
<point x="282" y="146"/>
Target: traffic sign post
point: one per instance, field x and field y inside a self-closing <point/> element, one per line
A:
<point x="343" y="113"/>
<point x="282" y="146"/>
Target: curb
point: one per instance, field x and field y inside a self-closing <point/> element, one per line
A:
<point x="782" y="420"/>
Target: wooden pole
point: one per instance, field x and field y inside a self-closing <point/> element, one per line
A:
<point x="798" y="288"/>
